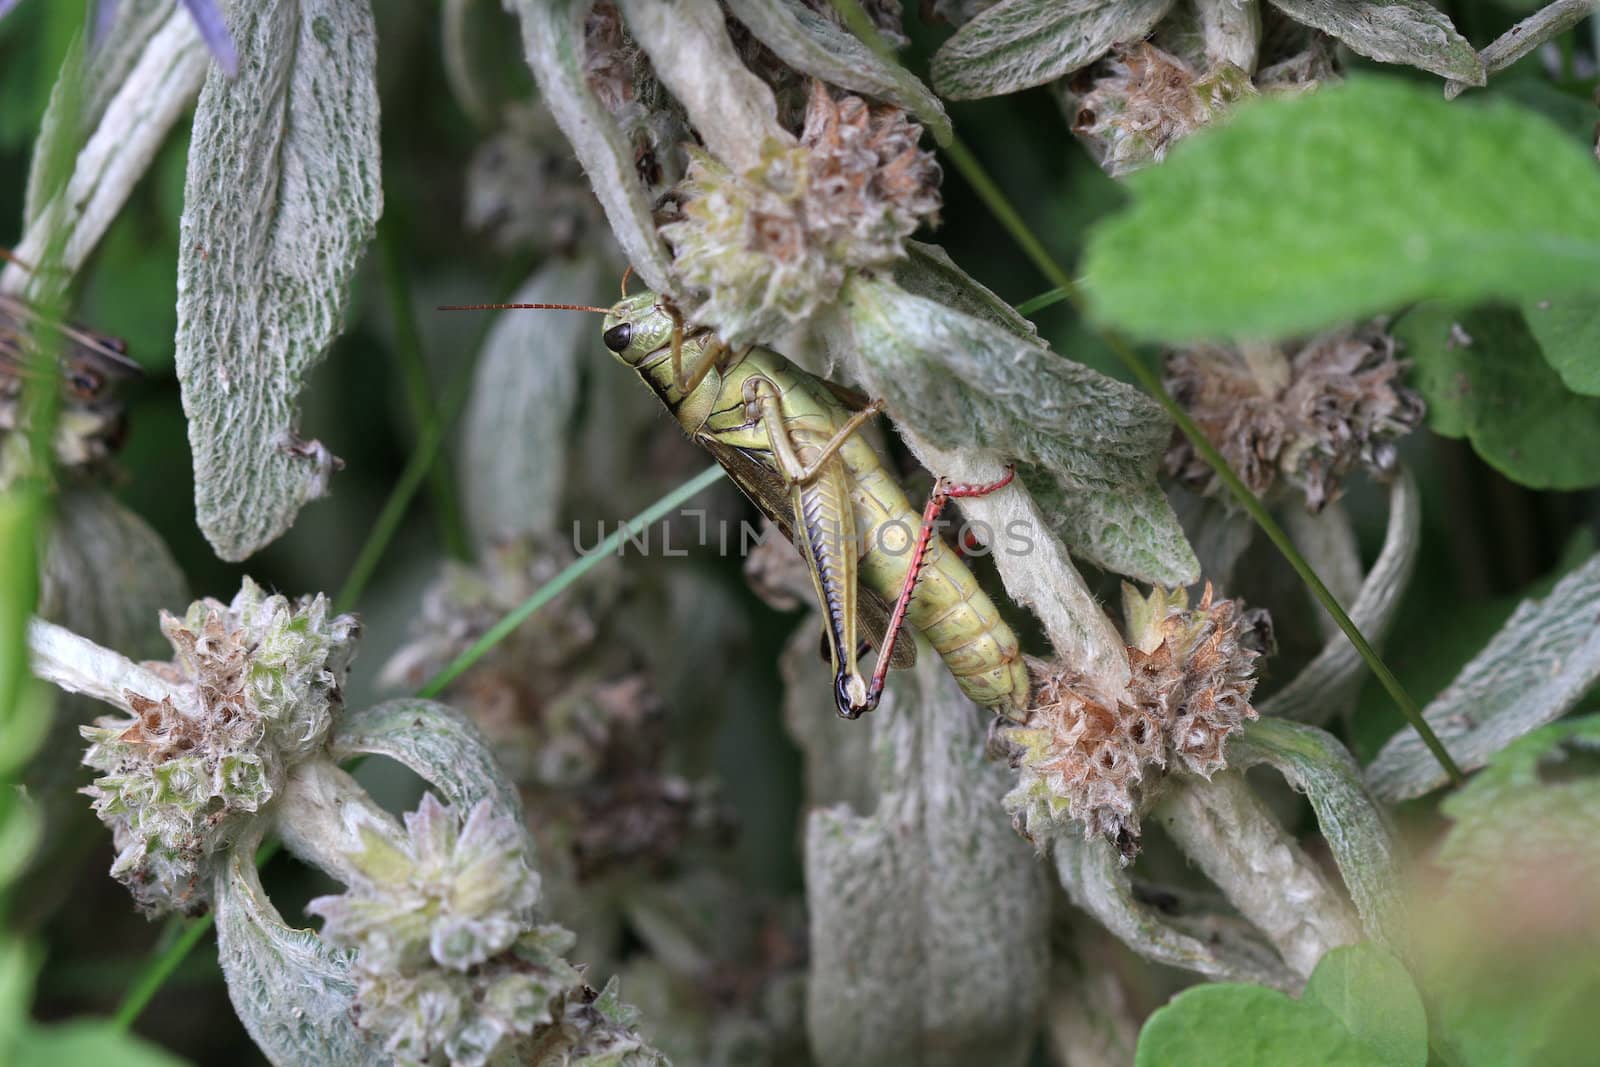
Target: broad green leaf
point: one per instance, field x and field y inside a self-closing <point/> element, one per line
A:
<point x="293" y="993"/>
<point x="1017" y="44"/>
<point x="814" y="44"/>
<point x="1413" y="32"/>
<point x="1568" y="331"/>
<point x="928" y="917"/>
<point x="282" y="195"/>
<point x="552" y="37"/>
<point x="1303" y="212"/>
<point x="517" y="424"/>
<point x="963" y="382"/>
<point x="1534" y="671"/>
<point x="1371" y="994"/>
<point x="1247" y="1026"/>
<point x="1356" y="829"/>
<point x="1485" y="379"/>
<point x="84" y="1043"/>
<point x="1359" y="1009"/>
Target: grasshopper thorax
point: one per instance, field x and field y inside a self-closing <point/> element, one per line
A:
<point x="637" y="326"/>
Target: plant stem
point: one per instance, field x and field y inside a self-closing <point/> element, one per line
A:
<point x="995" y="199"/>
<point x="419" y="392"/>
<point x="570" y="574"/>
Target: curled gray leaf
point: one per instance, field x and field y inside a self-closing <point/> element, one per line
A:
<point x="1411" y="32"/>
<point x="1540" y="664"/>
<point x="1092" y="874"/>
<point x="1017" y="44"/>
<point x="1543" y="25"/>
<point x="157" y="74"/>
<point x="814" y="44"/>
<point x="282" y="195"/>
<point x="1327" y="684"/>
<point x="1226" y="831"/>
<point x="1231" y="30"/>
<point x="928" y="916"/>
<point x="552" y="37"/>
<point x="516" y="426"/>
<point x="1356" y="828"/>
<point x="262" y="957"/>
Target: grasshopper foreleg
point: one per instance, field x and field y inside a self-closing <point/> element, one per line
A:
<point x="765" y="400"/>
<point x="943" y="492"/>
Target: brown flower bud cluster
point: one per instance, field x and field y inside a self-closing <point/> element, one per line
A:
<point x="1091" y="757"/>
<point x="769" y="247"/>
<point x="1141" y="99"/>
<point x="1310" y="417"/>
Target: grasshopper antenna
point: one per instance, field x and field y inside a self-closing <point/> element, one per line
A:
<point x="625" y="276"/>
<point x="524" y="307"/>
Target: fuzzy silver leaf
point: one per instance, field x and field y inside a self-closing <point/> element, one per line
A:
<point x="552" y="37"/>
<point x="814" y="44"/>
<point x="1540" y="664"/>
<point x="1412" y="32"/>
<point x="1018" y="44"/>
<point x="516" y="426"/>
<point x="966" y="384"/>
<point x="928" y="917"/>
<point x="282" y="195"/>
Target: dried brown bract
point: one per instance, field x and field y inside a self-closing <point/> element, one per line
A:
<point x="1089" y="757"/>
<point x="1146" y="100"/>
<point x="1310" y="418"/>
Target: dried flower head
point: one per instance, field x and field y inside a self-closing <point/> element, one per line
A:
<point x="771" y="246"/>
<point x="1087" y="756"/>
<point x="1146" y="100"/>
<point x="450" y="965"/>
<point x="1310" y="418"/>
<point x="255" y="685"/>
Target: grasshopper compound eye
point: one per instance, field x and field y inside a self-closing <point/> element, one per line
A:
<point x="618" y="337"/>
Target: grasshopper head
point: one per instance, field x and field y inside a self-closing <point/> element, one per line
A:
<point x="638" y="326"/>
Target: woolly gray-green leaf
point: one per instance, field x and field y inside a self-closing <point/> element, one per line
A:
<point x="282" y="195"/>
<point x="1331" y="680"/>
<point x="516" y="429"/>
<point x="1568" y="331"/>
<point x="129" y="108"/>
<point x="1522" y="39"/>
<point x="1540" y="664"/>
<point x="1017" y="44"/>
<point x="1352" y="823"/>
<point x="1412" y="32"/>
<point x="552" y="37"/>
<point x="964" y="383"/>
<point x="1093" y="876"/>
<point x="95" y="84"/>
<point x="929" y="916"/>
<point x="814" y="44"/>
<point x="443" y="746"/>
<point x="294" y="994"/>
<point x="1302" y="212"/>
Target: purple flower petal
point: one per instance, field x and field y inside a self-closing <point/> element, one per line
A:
<point x="215" y="33"/>
<point x="6" y="6"/>
<point x="105" y="13"/>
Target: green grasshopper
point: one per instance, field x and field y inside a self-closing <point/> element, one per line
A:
<point x="789" y="441"/>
